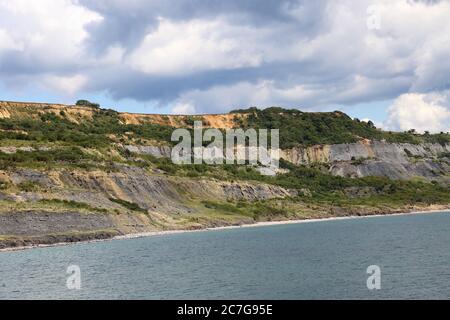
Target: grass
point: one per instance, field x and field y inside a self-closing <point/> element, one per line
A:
<point x="71" y="204"/>
<point x="49" y="205"/>
<point x="128" y="205"/>
<point x="263" y="210"/>
<point x="29" y="186"/>
<point x="39" y="158"/>
<point x="223" y="207"/>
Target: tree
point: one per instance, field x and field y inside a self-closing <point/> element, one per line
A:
<point x="87" y="103"/>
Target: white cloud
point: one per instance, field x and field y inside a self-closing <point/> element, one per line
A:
<point x="68" y="85"/>
<point x="242" y="94"/>
<point x="192" y="46"/>
<point x="265" y="93"/>
<point x="183" y="108"/>
<point x="345" y="62"/>
<point x="216" y="56"/>
<point x="47" y="35"/>
<point x="7" y="42"/>
<point x="422" y="112"/>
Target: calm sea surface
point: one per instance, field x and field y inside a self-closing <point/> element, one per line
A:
<point x="315" y="260"/>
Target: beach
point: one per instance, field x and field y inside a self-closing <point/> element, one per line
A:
<point x="432" y="209"/>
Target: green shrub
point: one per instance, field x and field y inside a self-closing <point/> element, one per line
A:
<point x="4" y="185"/>
<point x="129" y="205"/>
<point x="87" y="103"/>
<point x="71" y="204"/>
<point x="29" y="186"/>
<point x="90" y="134"/>
<point x="306" y="128"/>
<point x="224" y="207"/>
<point x="358" y="161"/>
<point x="71" y="155"/>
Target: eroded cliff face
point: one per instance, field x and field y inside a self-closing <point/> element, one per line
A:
<point x="159" y="202"/>
<point x="365" y="158"/>
<point x="80" y="113"/>
<point x="389" y="152"/>
<point x="34" y="110"/>
<point x="222" y="121"/>
<point x="158" y="193"/>
<point x="377" y="158"/>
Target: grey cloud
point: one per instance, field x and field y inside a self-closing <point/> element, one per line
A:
<point x="320" y="46"/>
<point x="127" y="23"/>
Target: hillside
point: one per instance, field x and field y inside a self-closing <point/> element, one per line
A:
<point x="70" y="173"/>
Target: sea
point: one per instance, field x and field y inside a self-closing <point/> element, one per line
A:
<point x="383" y="257"/>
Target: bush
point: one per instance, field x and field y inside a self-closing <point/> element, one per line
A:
<point x="87" y="103"/>
<point x="29" y="186"/>
<point x="71" y="155"/>
<point x="300" y="128"/>
<point x="224" y="207"/>
<point x="129" y="205"/>
<point x="4" y="185"/>
<point x="71" y="204"/>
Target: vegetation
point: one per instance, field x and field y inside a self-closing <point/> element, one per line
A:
<point x="29" y="186"/>
<point x="296" y="128"/>
<point x="69" y="155"/>
<point x="87" y="103"/>
<point x="308" y="128"/>
<point x="90" y="134"/>
<point x="95" y="143"/>
<point x="257" y="210"/>
<point x="71" y="205"/>
<point x="4" y="185"/>
<point x="323" y="187"/>
<point x="129" y="205"/>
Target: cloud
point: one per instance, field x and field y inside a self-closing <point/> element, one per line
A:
<point x="68" y="85"/>
<point x="333" y="59"/>
<point x="203" y="45"/>
<point x="142" y="17"/>
<point x="42" y="37"/>
<point x="217" y="55"/>
<point x="422" y="112"/>
<point x="7" y="43"/>
<point x="183" y="108"/>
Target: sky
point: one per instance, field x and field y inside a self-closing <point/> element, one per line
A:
<point x="383" y="60"/>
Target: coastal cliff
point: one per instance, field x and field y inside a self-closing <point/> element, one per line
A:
<point x="76" y="113"/>
<point x="74" y="173"/>
<point x="378" y="158"/>
<point x="362" y="159"/>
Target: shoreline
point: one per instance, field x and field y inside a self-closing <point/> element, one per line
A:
<point x="252" y="225"/>
<point x="268" y="224"/>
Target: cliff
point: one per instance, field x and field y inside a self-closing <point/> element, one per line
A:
<point x="366" y="158"/>
<point x="378" y="158"/>
<point x="78" y="114"/>
<point x="128" y="200"/>
<point x="72" y="173"/>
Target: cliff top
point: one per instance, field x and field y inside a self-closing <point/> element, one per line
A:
<point x="76" y="113"/>
<point x="296" y="127"/>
